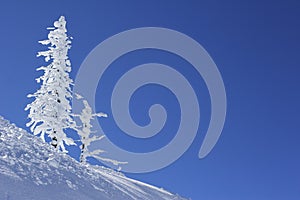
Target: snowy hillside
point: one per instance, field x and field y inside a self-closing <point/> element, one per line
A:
<point x="32" y="170"/>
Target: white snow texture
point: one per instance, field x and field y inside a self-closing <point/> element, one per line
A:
<point x="31" y="169"/>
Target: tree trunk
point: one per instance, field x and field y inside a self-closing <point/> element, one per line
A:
<point x="54" y="141"/>
<point x="82" y="159"/>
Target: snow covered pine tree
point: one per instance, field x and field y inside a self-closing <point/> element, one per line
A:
<point x="50" y="112"/>
<point x="86" y="134"/>
<point x="85" y="131"/>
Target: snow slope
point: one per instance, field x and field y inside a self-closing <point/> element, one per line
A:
<point x="32" y="170"/>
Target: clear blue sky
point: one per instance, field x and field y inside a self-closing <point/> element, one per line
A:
<point x="256" y="47"/>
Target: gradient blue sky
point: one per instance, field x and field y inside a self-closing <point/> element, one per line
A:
<point x="255" y="45"/>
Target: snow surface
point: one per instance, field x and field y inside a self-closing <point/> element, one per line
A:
<point x="32" y="170"/>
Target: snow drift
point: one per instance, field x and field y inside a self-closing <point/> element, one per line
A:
<point x="32" y="170"/>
